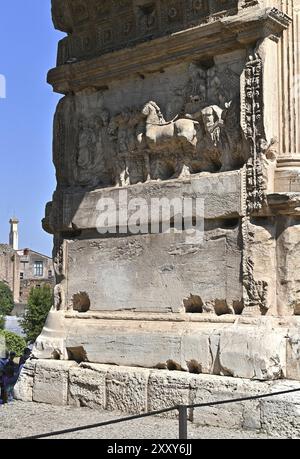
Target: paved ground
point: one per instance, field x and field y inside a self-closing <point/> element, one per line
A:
<point x="20" y="419"/>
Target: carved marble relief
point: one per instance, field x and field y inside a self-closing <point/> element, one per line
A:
<point x="120" y="23"/>
<point x="192" y="125"/>
<point x="254" y="131"/>
<point x="79" y="11"/>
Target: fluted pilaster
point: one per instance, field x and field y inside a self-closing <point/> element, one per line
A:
<point x="288" y="176"/>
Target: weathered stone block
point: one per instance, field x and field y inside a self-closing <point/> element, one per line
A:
<point x="24" y="388"/>
<point x="51" y="382"/>
<point x="237" y="415"/>
<point x="288" y="258"/>
<point x="199" y="350"/>
<point x="114" y="275"/>
<point x="167" y="389"/>
<point x="131" y="342"/>
<point x="188" y="345"/>
<point x="293" y="355"/>
<point x="280" y="415"/>
<point x="127" y="389"/>
<point x="220" y="192"/>
<point x="253" y="352"/>
<point x="87" y="386"/>
<point x="136" y="390"/>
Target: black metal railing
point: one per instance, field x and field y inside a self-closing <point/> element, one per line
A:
<point x="182" y="410"/>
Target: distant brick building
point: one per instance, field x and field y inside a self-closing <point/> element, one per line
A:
<point x="35" y="270"/>
<point x="23" y="269"/>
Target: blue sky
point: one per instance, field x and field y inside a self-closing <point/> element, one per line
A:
<point x="28" y="44"/>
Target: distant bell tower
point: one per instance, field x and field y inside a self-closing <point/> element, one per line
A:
<point x="14" y="233"/>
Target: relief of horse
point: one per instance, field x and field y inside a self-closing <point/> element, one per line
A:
<point x="158" y="130"/>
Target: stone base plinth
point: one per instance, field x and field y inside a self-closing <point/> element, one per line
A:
<point x="136" y="390"/>
<point x="265" y="348"/>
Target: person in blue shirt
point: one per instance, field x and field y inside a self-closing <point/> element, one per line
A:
<point x="3" y="362"/>
<point x="10" y="374"/>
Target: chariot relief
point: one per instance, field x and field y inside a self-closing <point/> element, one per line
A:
<point x="199" y="124"/>
<point x="158" y="130"/>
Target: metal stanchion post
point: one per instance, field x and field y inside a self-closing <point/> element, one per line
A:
<point x="183" y="420"/>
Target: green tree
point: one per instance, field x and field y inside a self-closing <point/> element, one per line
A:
<point x="39" y="304"/>
<point x="6" y="300"/>
<point x="13" y="342"/>
<point x="2" y="322"/>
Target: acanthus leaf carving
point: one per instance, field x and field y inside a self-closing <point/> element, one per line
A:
<point x="254" y="132"/>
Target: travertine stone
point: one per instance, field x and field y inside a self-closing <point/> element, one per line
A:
<point x="116" y="277"/>
<point x="288" y="256"/>
<point x="92" y="384"/>
<point x="127" y="390"/>
<point x="240" y="415"/>
<point x="24" y="388"/>
<point x="167" y="389"/>
<point x="280" y="416"/>
<point x="293" y="354"/>
<point x="147" y="344"/>
<point x="262" y="252"/>
<point x="52" y="345"/>
<point x="200" y="350"/>
<point x="87" y="386"/>
<point x="51" y="381"/>
<point x="253" y="352"/>
<point x="222" y="194"/>
<point x="288" y="178"/>
<point x="254" y="349"/>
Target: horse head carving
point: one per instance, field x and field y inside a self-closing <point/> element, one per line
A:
<point x="159" y="130"/>
<point x="152" y="109"/>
